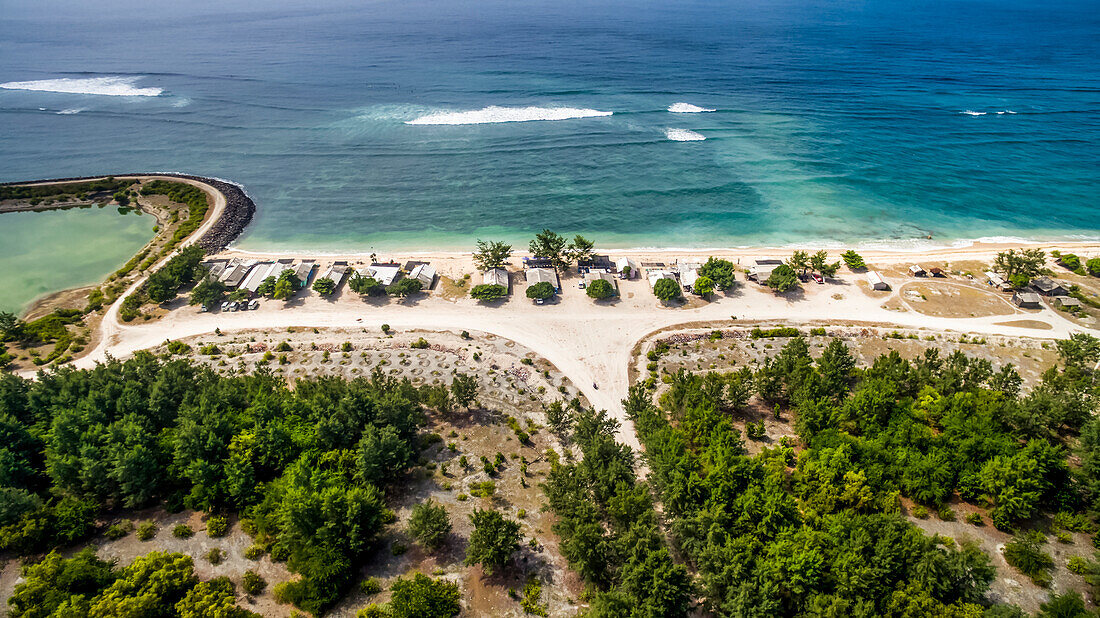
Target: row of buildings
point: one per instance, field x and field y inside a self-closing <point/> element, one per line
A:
<point x="248" y="274"/>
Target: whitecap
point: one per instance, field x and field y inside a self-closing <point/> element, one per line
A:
<point x="70" y="111"/>
<point x="683" y="135"/>
<point x="688" y="108"/>
<point x="973" y="113"/>
<point x="108" y="86"/>
<point x="494" y="114"/>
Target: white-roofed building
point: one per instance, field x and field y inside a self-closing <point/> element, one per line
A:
<point x="540" y="275"/>
<point x="385" y="273"/>
<point x="260" y="271"/>
<point x="425" y="274"/>
<point x="623" y="264"/>
<point x="656" y="275"/>
<point x="762" y="269"/>
<point x="497" y="276"/>
<point x="876" y="281"/>
<point x="688" y="274"/>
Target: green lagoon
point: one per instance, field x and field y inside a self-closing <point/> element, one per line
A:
<point x="45" y="252"/>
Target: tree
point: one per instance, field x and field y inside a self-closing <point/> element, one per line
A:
<point x="819" y="262"/>
<point x="324" y="286"/>
<point x="1016" y="266"/>
<point x="207" y="292"/>
<point x="464" y="389"/>
<point x="216" y="597"/>
<point x="1081" y="350"/>
<point x="367" y="286"/>
<point x="580" y="249"/>
<point x="429" y="524"/>
<point x="404" y="287"/>
<point x="541" y="290"/>
<point x="493" y="540"/>
<point x="492" y="254"/>
<point x="721" y="272"/>
<point x="551" y="246"/>
<point x="704" y="286"/>
<point x="600" y="289"/>
<point x="782" y="279"/>
<point x="290" y="277"/>
<point x="267" y="286"/>
<point x="423" y="597"/>
<point x="800" y="261"/>
<point x="1093" y="266"/>
<point x="488" y="292"/>
<point x="853" y="260"/>
<point x="284" y="289"/>
<point x="666" y="289"/>
<point x="10" y="326"/>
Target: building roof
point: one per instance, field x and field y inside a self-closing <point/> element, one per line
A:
<point x="623" y="262"/>
<point x="215" y="268"/>
<point x="538" y="275"/>
<point x="1045" y="284"/>
<point x="304" y="271"/>
<point x="385" y="273"/>
<point x="496" y="276"/>
<point x="916" y="269"/>
<point x="1027" y="298"/>
<point x="597" y="261"/>
<point x="259" y="272"/>
<point x="874" y="278"/>
<point x="1067" y="301"/>
<point x="656" y="275"/>
<point x="688" y="274"/>
<point x="424" y="273"/>
<point x="590" y="277"/>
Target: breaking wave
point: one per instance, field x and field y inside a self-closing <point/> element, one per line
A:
<point x="494" y="114"/>
<point x="108" y="86"/>
<point x="688" y="108"/>
<point x="971" y="112"/>
<point x="69" y="112"/>
<point x="683" y="135"/>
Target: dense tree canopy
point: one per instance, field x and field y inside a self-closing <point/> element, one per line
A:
<point x="820" y="533"/>
<point x="488" y="292"/>
<point x="308" y="467"/>
<point x="492" y="254"/>
<point x="721" y="272"/>
<point x="782" y="278"/>
<point x="666" y="289"/>
<point x="541" y="290"/>
<point x="600" y="289"/>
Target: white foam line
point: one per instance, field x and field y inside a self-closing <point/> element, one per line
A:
<point x="688" y="108"/>
<point x="495" y="114"/>
<point x="107" y="86"/>
<point x="684" y="135"/>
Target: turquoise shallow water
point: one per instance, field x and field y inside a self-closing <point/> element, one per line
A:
<point x="54" y="250"/>
<point x="833" y="122"/>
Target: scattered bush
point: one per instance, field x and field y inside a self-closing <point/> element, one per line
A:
<point x="183" y="531"/>
<point x="253" y="583"/>
<point x="146" y="531"/>
<point x="217" y="526"/>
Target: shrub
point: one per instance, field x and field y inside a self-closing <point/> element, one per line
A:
<point x="973" y="519"/>
<point x="284" y="346"/>
<point x="371" y="586"/>
<point x="183" y="531"/>
<point x="853" y="260"/>
<point x="214" y="556"/>
<point x="253" y="583"/>
<point x="385" y="328"/>
<point x="254" y="551"/>
<point x="217" y="526"/>
<point x="1025" y="553"/>
<point x="429" y="524"/>
<point x="1078" y="565"/>
<point x="920" y="512"/>
<point x="119" y="530"/>
<point x="666" y="290"/>
<point x="488" y="292"/>
<point x="146" y="531"/>
<point x="420" y="344"/>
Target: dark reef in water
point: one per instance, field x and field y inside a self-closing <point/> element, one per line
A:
<point x="239" y="208"/>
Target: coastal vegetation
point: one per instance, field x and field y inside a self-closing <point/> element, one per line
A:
<point x="782" y="279"/>
<point x="308" y="468"/>
<point x="1019" y="267"/>
<point x="193" y="197"/>
<point x="492" y="254"/>
<point x="720" y="271"/>
<point x="365" y="286"/>
<point x="324" y="286"/>
<point x="540" y="291"/>
<point x="63" y="191"/>
<point x="853" y="260"/>
<point x="600" y="289"/>
<point x="666" y="290"/>
<point x="488" y="292"/>
<point x="561" y="252"/>
<point x="794" y="533"/>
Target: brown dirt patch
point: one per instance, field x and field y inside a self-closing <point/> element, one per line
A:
<point x="1036" y="324"/>
<point x="949" y="300"/>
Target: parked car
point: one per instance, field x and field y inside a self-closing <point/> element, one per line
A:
<point x="204" y="308"/>
<point x="255" y="304"/>
<point x="225" y="306"/>
<point x="818" y="278"/>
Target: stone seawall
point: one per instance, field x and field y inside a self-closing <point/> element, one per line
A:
<point x="238" y="213"/>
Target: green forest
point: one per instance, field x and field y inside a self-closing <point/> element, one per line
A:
<point x="815" y="529"/>
<point x="307" y="468"/>
<point x="808" y="527"/>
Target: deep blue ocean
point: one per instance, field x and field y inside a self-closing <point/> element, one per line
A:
<point x="833" y="122"/>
